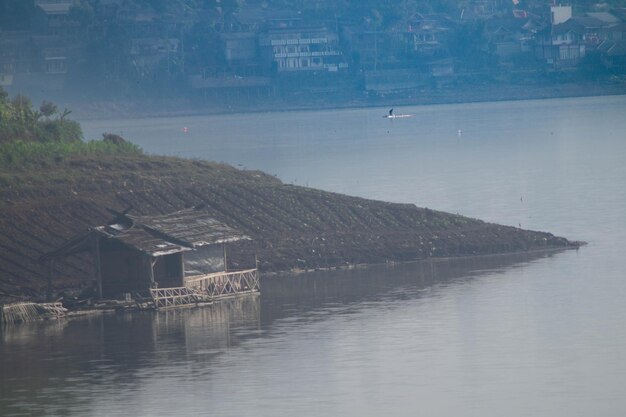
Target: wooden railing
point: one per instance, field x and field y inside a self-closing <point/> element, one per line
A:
<point x="223" y="284"/>
<point x="23" y="312"/>
<point x="171" y="297"/>
<point x="207" y="288"/>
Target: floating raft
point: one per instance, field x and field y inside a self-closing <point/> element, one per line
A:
<point x="24" y="312"/>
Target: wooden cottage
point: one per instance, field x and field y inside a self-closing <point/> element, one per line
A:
<point x="176" y="258"/>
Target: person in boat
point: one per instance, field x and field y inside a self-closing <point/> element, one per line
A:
<point x="390" y="112"/>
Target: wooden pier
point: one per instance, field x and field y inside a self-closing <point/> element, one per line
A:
<point x="207" y="288"/>
<point x="225" y="283"/>
<point x="173" y="297"/>
<point x="25" y="312"/>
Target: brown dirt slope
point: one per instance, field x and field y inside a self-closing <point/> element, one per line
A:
<point x="292" y="227"/>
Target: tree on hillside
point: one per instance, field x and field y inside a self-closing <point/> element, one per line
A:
<point x="378" y="13"/>
<point x="22" y="110"/>
<point x="470" y="45"/>
<point x="19" y="121"/>
<point x="202" y="44"/>
<point x="4" y="106"/>
<point x="48" y="108"/>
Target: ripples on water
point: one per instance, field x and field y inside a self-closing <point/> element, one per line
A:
<point x="519" y="336"/>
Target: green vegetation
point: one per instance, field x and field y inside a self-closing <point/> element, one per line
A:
<point x="21" y="154"/>
<point x="30" y="137"/>
<point x="19" y="120"/>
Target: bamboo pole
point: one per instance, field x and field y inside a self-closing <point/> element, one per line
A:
<point x="225" y="258"/>
<point x="151" y="270"/>
<point x="96" y="249"/>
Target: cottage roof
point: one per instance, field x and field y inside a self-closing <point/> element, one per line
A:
<point x="190" y="227"/>
<point x="158" y="235"/>
<point x="170" y="233"/>
<point x="136" y="237"/>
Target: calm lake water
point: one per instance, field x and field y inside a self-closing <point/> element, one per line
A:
<point x="503" y="336"/>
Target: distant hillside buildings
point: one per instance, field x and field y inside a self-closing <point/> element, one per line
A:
<point x="264" y="50"/>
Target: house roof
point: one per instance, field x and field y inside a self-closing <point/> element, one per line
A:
<point x="620" y="27"/>
<point x="613" y="48"/>
<point x="568" y="26"/>
<point x="509" y="24"/>
<point x="170" y="233"/>
<point x="60" y="7"/>
<point x="237" y="35"/>
<point x="605" y="17"/>
<point x="190" y="227"/>
<point x="589" y="22"/>
<point x="259" y="15"/>
<point x="136" y="237"/>
<point x="157" y="235"/>
<point x="534" y="25"/>
<point x="619" y="12"/>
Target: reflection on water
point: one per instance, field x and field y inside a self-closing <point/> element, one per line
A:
<point x="291" y="295"/>
<point x="207" y="331"/>
<point x="60" y="367"/>
<point x="70" y="367"/>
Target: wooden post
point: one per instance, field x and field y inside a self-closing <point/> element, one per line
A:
<point x="96" y="249"/>
<point x="151" y="270"/>
<point x="225" y="258"/>
<point x="181" y="256"/>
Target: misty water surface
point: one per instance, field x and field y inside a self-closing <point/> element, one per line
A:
<point x="525" y="336"/>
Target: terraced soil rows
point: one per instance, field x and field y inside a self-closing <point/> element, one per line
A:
<point x="292" y="227"/>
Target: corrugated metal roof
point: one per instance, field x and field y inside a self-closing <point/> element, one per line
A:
<point x="189" y="228"/>
<point x="157" y="235"/>
<point x="138" y="238"/>
<point x="170" y="233"/>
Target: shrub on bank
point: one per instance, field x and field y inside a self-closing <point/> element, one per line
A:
<point x="29" y="136"/>
<point x="19" y="120"/>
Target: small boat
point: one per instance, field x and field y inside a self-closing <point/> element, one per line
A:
<point x="396" y="116"/>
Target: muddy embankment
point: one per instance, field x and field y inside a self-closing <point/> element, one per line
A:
<point x="293" y="227"/>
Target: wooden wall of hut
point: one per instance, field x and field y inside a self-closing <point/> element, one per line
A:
<point x="123" y="269"/>
<point x="168" y="270"/>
